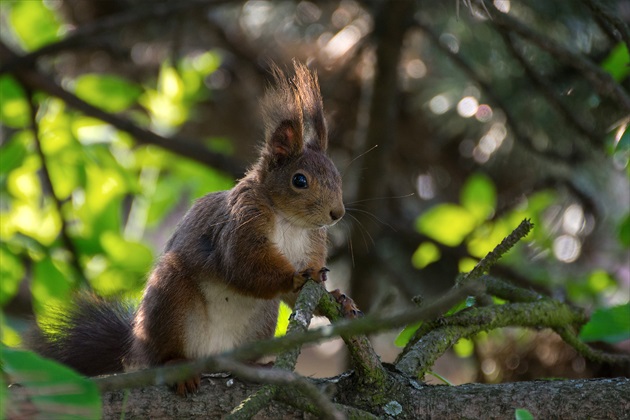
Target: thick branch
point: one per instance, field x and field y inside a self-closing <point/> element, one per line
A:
<point x="601" y="398"/>
<point x="369" y="324"/>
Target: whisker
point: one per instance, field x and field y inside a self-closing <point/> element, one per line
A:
<point x="343" y="172"/>
<point x="381" y="198"/>
<point x="349" y="236"/>
<point x="363" y="229"/>
<point x="373" y="216"/>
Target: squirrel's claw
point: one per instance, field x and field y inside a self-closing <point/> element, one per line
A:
<point x="189" y="386"/>
<point x="300" y="278"/>
<point x="348" y="308"/>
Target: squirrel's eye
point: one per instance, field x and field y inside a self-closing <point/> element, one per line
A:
<point x="299" y="181"/>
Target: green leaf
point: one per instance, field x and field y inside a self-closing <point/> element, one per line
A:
<point x="284" y="312"/>
<point x="11" y="274"/>
<point x="522" y="414"/>
<point x="130" y="255"/>
<point x="13" y="153"/>
<point x="617" y="62"/>
<point x="34" y="23"/>
<point x="55" y="390"/>
<point x="110" y="93"/>
<point x="14" y="109"/>
<point x="426" y="254"/>
<point x="52" y="283"/>
<point x="447" y="223"/>
<point x="406" y="334"/>
<point x="479" y="196"/>
<point x="624" y="231"/>
<point x="610" y="325"/>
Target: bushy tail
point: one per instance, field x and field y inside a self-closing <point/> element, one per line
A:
<point x="93" y="337"/>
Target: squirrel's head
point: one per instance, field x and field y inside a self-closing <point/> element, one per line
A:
<point x="302" y="182"/>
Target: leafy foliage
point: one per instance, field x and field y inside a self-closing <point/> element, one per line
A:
<point x="55" y="390"/>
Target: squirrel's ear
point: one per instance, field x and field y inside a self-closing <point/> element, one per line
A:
<point x="285" y="141"/>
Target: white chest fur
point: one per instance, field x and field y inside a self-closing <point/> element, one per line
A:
<point x="292" y="241"/>
<point x="226" y="320"/>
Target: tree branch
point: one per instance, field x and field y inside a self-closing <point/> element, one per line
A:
<point x="66" y="239"/>
<point x="434" y="339"/>
<point x="595" y="398"/>
<point x="107" y="24"/>
<point x="606" y="15"/>
<point x="547" y="89"/>
<point x="493" y="256"/>
<point x="34" y="80"/>
<point x="493" y="98"/>
<point x="252" y="351"/>
<point x="601" y="80"/>
<point x="299" y="321"/>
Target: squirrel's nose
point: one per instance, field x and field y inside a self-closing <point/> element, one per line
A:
<point x="336" y="214"/>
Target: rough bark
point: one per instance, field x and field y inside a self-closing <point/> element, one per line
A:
<point x="596" y="398"/>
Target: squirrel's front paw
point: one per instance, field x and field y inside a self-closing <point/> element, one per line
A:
<point x="319" y="276"/>
<point x="348" y="308"/>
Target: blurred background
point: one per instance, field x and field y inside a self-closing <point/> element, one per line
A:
<point x="451" y="121"/>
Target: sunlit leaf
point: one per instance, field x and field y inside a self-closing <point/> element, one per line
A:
<point x="610" y="325"/>
<point x="466" y="264"/>
<point x="170" y="83"/>
<point x="51" y="284"/>
<point x="8" y="336"/>
<point x="111" y="93"/>
<point x="599" y="281"/>
<point x="405" y="335"/>
<point x="14" y="108"/>
<point x="426" y="253"/>
<point x="23" y="183"/>
<point x="486" y="237"/>
<point x="34" y="23"/>
<point x="13" y="152"/>
<point x="55" y="390"/>
<point x="11" y="274"/>
<point x="479" y="196"/>
<point x="284" y="312"/>
<point x="464" y="347"/>
<point x="446" y="223"/>
<point x="131" y="255"/>
<point x="617" y="62"/>
<point x="40" y="223"/>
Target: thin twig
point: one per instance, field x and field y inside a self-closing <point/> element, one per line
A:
<point x="587" y="351"/>
<point x="48" y="186"/>
<point x="493" y="256"/>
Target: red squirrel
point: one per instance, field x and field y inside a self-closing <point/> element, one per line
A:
<point x="219" y="280"/>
